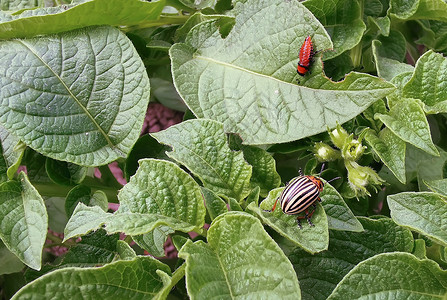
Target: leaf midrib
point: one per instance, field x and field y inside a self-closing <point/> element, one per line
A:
<point x="103" y="133"/>
<point x="233" y="66"/>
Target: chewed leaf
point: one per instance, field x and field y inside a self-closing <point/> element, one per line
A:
<point x="77" y="96"/>
<point x="247" y="80"/>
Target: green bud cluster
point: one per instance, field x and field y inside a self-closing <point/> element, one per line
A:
<point x="350" y="150"/>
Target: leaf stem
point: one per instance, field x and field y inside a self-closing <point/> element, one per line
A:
<point x="177" y="275"/>
<point x="356" y="52"/>
<point x="202" y="231"/>
<point x="163" y="20"/>
<point x="53" y="190"/>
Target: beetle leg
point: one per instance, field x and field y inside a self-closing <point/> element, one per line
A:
<point x="308" y="216"/>
<point x="299" y="223"/>
<point x="312" y="212"/>
<point x="273" y="208"/>
<point x="310" y="222"/>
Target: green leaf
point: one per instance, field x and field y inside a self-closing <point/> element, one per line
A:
<point x="419" y="250"/>
<point x="57" y="218"/>
<point x="264" y="172"/>
<point x="419" y="9"/>
<point x="434" y="36"/>
<point x="83" y="113"/>
<point x="19" y="4"/>
<point x="86" y="219"/>
<point x="339" y="216"/>
<point x="35" y="166"/>
<point x="94" y="249"/>
<point x="342" y="20"/>
<point x="141" y="281"/>
<point x="377" y="107"/>
<point x="424" y="167"/>
<point x="320" y="273"/>
<point x="145" y="147"/>
<point x="23" y="220"/>
<point x="383" y="24"/>
<point x="407" y="120"/>
<point x="403" y="9"/>
<point x="82" y="193"/>
<point x="9" y="263"/>
<point x="125" y="251"/>
<point x="240" y="261"/>
<point x="214" y="204"/>
<point x="247" y="80"/>
<point x="393" y="46"/>
<point x="399" y="81"/>
<point x="87" y="13"/>
<point x="160" y="193"/>
<point x="252" y="197"/>
<point x="201" y="146"/>
<point x="164" y="92"/>
<point x="428" y="82"/>
<point x="390" y="149"/>
<point x="192" y="21"/>
<point x="387" y="67"/>
<point x="197" y="4"/>
<point x="13" y="151"/>
<point x="65" y="173"/>
<point x="161" y="187"/>
<point x="393" y="276"/>
<point x="438" y="186"/>
<point x="234" y="205"/>
<point x="153" y="242"/>
<point x="3" y="167"/>
<point x="422" y="212"/>
<point x="312" y="239"/>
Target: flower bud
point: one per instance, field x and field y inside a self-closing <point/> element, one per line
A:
<point x="353" y="149"/>
<point x="338" y="136"/>
<point x="359" y="177"/>
<point x="324" y="152"/>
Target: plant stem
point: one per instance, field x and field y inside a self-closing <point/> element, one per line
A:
<point x="177" y="275"/>
<point x="163" y="20"/>
<point x="356" y="52"/>
<point x="201" y="231"/>
<point x="53" y="190"/>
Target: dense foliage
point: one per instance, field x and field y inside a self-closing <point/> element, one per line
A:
<point x="75" y="82"/>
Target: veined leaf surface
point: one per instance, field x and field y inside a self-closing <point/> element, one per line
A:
<point x="78" y="96"/>
<point x="247" y="80"/>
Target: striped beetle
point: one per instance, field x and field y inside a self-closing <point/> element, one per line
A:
<point x="298" y="195"/>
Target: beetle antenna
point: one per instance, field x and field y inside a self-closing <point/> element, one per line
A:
<point x="322" y="168"/>
<point x="338" y="177"/>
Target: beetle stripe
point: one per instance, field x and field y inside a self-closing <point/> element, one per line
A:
<point x="302" y="204"/>
<point x="299" y="194"/>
